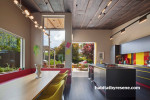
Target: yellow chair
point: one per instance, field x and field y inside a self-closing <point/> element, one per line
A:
<point x="58" y="79"/>
<point x="53" y="92"/>
<point x="66" y="72"/>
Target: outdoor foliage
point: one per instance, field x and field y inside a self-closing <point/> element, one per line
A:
<point x="60" y="52"/>
<point x="56" y="62"/>
<point x="88" y="51"/>
<point x="9" y="42"/>
<point x="7" y="69"/>
<point x="75" y="52"/>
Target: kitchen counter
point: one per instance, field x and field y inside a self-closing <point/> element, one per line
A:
<point x="116" y="76"/>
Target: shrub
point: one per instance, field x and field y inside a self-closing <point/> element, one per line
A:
<point x="1" y="69"/>
<point x="86" y="65"/>
<point x="7" y="69"/>
<point x="56" y="62"/>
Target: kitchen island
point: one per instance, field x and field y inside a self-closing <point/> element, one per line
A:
<point x="114" y="76"/>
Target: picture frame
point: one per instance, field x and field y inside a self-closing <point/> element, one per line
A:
<point x="101" y="55"/>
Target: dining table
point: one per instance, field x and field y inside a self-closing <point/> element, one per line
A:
<point x="28" y="87"/>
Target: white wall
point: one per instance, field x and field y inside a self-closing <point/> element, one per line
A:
<point x="101" y="37"/>
<point x="133" y="32"/>
<point x="12" y="19"/>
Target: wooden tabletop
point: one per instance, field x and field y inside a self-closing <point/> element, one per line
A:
<point x="26" y="88"/>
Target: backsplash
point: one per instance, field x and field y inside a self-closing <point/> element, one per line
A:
<point x="137" y="58"/>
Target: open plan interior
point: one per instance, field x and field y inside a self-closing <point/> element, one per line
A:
<point x="74" y="49"/>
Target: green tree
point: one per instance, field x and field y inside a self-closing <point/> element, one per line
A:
<point x="75" y="52"/>
<point x="9" y="42"/>
<point x="88" y="52"/>
<point x="60" y="50"/>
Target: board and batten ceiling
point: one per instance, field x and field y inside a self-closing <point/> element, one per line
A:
<point x="85" y="12"/>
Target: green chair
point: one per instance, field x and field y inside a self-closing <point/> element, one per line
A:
<point x="53" y="92"/>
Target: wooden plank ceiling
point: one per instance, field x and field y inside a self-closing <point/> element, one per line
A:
<point x="54" y="23"/>
<point x="85" y="12"/>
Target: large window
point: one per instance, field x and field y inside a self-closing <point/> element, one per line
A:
<point x="54" y="48"/>
<point x="54" y="41"/>
<point x="10" y="51"/>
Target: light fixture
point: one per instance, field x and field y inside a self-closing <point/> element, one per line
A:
<point x="122" y="31"/>
<point x="111" y="38"/>
<point x="103" y="10"/>
<point x="26" y="12"/>
<point x="35" y="22"/>
<point x="109" y="3"/>
<point x="99" y="15"/>
<point x="16" y="2"/>
<point x="45" y="33"/>
<point x="44" y="30"/>
<point x="142" y="19"/>
<point x="40" y="27"/>
<point x="31" y="17"/>
<point x="36" y="25"/>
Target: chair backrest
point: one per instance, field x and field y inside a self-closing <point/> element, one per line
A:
<point x="66" y="72"/>
<point x="59" y="92"/>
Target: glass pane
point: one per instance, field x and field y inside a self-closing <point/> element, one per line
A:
<point x="45" y="39"/>
<point x="57" y="38"/>
<point x="57" y="45"/>
<point x="10" y="46"/>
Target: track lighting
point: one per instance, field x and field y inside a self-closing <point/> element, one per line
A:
<point x="35" y="22"/>
<point x="31" y="17"/>
<point x="26" y="12"/>
<point x="36" y="25"/>
<point x="142" y="19"/>
<point x="103" y="10"/>
<point x="109" y="3"/>
<point x="122" y="31"/>
<point x="44" y="30"/>
<point x="111" y="38"/>
<point x="40" y="27"/>
<point x="99" y="15"/>
<point x="16" y="2"/>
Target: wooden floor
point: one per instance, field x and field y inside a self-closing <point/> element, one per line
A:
<point x="82" y="88"/>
